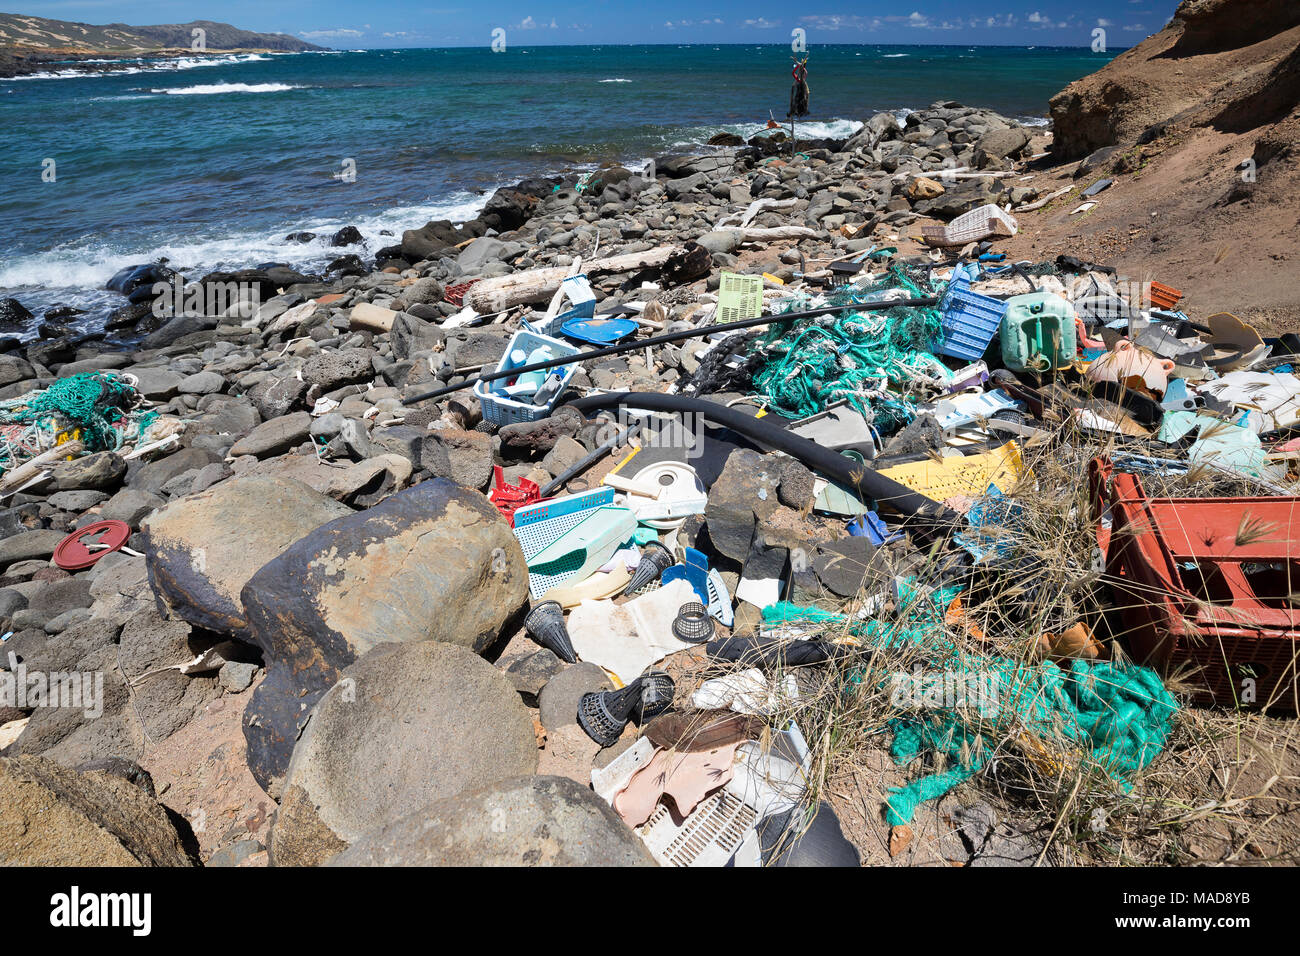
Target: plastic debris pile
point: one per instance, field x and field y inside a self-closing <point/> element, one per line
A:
<point x="101" y="410"/>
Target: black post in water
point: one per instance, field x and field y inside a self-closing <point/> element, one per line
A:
<point x="798" y="95"/>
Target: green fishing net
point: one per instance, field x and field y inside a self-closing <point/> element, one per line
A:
<point x="875" y="360"/>
<point x="95" y="404"/>
<point x="1118" y="715"/>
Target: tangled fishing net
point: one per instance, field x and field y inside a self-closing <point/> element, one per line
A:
<point x="97" y="408"/>
<point x="879" y="361"/>
<point x="1118" y="716"/>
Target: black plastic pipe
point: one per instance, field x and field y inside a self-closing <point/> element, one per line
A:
<point x="843" y="471"/>
<point x="668" y="337"/>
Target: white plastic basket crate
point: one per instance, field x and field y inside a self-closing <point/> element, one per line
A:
<point x="500" y="409"/>
<point x="986" y="222"/>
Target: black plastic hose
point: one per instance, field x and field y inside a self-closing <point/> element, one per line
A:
<point x="867" y="482"/>
<point x="667" y="337"/>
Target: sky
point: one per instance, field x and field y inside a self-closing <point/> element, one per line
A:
<point x="350" y="24"/>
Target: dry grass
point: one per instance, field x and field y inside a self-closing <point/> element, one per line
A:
<point x="1226" y="787"/>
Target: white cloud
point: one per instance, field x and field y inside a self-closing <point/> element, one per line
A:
<point x="1103" y="22"/>
<point x="1135" y="28"/>
<point x="918" y="20"/>
<point x="761" y="23"/>
<point x="337" y="34"/>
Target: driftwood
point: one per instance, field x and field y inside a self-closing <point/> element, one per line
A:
<point x="743" y="219"/>
<point x="504" y="292"/>
<point x="30" y="469"/>
<point x="1030" y="207"/>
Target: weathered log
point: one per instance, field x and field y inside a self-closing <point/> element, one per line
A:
<point x="504" y="292"/>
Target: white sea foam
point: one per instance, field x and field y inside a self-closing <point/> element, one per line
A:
<point x="816" y="129"/>
<point x="615" y="79"/>
<point x="206" y="89"/>
<point x="70" y="271"/>
<point x="146" y="66"/>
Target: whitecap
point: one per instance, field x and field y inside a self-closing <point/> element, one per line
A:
<point x="211" y="88"/>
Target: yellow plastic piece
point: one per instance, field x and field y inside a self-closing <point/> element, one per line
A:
<point x="961" y="475"/>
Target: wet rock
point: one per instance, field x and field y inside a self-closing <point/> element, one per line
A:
<point x="432" y="563"/>
<point x="553" y="821"/>
<point x="409" y="722"/>
<point x="201" y="550"/>
<point x="347" y="236"/>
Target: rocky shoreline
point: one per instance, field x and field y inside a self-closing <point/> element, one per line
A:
<point x="295" y="439"/>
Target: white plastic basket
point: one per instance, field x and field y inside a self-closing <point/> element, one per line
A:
<point x="986" y="222"/>
<point x="498" y="408"/>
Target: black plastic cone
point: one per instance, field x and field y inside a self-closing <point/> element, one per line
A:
<point x="655" y="560"/>
<point x="545" y="625"/>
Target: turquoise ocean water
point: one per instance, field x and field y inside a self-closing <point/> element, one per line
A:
<point x="212" y="161"/>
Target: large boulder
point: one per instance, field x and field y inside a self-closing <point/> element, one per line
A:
<point x="202" y="549"/>
<point x="524" y="821"/>
<point x="432" y="563"/>
<point x="409" y="724"/>
<point x="52" y="816"/>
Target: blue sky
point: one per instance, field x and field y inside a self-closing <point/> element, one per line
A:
<point x="397" y="23"/>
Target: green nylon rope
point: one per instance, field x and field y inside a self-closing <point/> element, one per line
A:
<point x="874" y="360"/>
<point x="1119" y="714"/>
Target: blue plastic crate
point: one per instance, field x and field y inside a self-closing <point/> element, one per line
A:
<point x="500" y="409"/>
<point x="970" y="320"/>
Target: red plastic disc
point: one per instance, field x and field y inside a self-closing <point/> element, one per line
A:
<point x="84" y="547"/>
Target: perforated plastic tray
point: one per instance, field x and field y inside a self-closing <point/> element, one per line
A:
<point x="965" y="475"/>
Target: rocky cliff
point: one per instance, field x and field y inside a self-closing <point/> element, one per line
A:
<point x="1221" y="62"/>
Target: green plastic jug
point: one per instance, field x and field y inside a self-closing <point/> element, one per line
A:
<point x="1037" y="332"/>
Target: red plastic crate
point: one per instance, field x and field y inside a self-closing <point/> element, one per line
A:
<point x="1209" y="587"/>
<point x="455" y="294"/>
<point x="1164" y="297"/>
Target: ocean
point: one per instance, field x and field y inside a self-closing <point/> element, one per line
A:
<point x="212" y="161"/>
